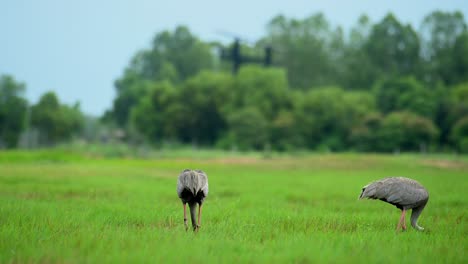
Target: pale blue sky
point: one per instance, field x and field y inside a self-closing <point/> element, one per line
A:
<point x="78" y="48"/>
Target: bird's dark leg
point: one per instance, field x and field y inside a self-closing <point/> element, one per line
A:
<point x="185" y="216"/>
<point x="199" y="215"/>
<point x="402" y="218"/>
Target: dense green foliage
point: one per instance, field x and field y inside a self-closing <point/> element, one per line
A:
<point x="55" y="122"/>
<point x="409" y="82"/>
<point x="45" y="123"/>
<point x="13" y="109"/>
<point x="383" y="86"/>
<point x="58" y="207"/>
<point x="173" y="57"/>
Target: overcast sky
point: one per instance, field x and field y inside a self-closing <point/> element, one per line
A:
<point x="78" y="48"/>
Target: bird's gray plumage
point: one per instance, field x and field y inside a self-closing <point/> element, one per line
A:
<point x="404" y="193"/>
<point x="192" y="188"/>
<point x="192" y="184"/>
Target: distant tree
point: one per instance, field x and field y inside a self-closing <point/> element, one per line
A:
<point x="307" y="49"/>
<point x="55" y="122"/>
<point x="285" y="134"/>
<point x="443" y="114"/>
<point x="393" y="48"/>
<point x="192" y="112"/>
<point x="263" y="88"/>
<point x="130" y="89"/>
<point x="325" y="116"/>
<point x="203" y="100"/>
<point x="455" y="109"/>
<point x="406" y="93"/>
<point x="444" y="46"/>
<point x="365" y="135"/>
<point x="460" y="134"/>
<point x="248" y="130"/>
<point x="173" y="56"/>
<point x="150" y="115"/>
<point x="13" y="111"/>
<point x="401" y="90"/>
<point x="358" y="72"/>
<point x="460" y="62"/>
<point x="459" y="101"/>
<point x="406" y="131"/>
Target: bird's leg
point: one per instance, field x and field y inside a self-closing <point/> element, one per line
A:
<point x="199" y="215"/>
<point x="404" y="222"/>
<point x="402" y="218"/>
<point x="185" y="216"/>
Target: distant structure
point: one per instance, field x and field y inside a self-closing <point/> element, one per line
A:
<point x="234" y="55"/>
<point x="192" y="188"/>
<point x="401" y="192"/>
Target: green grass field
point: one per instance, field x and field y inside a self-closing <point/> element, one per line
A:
<point x="57" y="207"/>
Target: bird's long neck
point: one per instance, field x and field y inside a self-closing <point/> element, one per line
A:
<point x="415" y="215"/>
<point x="193" y="214"/>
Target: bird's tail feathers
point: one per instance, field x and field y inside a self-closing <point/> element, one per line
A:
<point x="192" y="181"/>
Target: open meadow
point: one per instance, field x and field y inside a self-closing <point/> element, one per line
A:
<point x="60" y="207"/>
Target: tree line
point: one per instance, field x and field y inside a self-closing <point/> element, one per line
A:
<point x="42" y="124"/>
<point x="383" y="86"/>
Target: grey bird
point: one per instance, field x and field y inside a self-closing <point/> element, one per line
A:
<point x="192" y="188"/>
<point x="404" y="193"/>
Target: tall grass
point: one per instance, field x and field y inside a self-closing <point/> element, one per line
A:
<point x="63" y="207"/>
